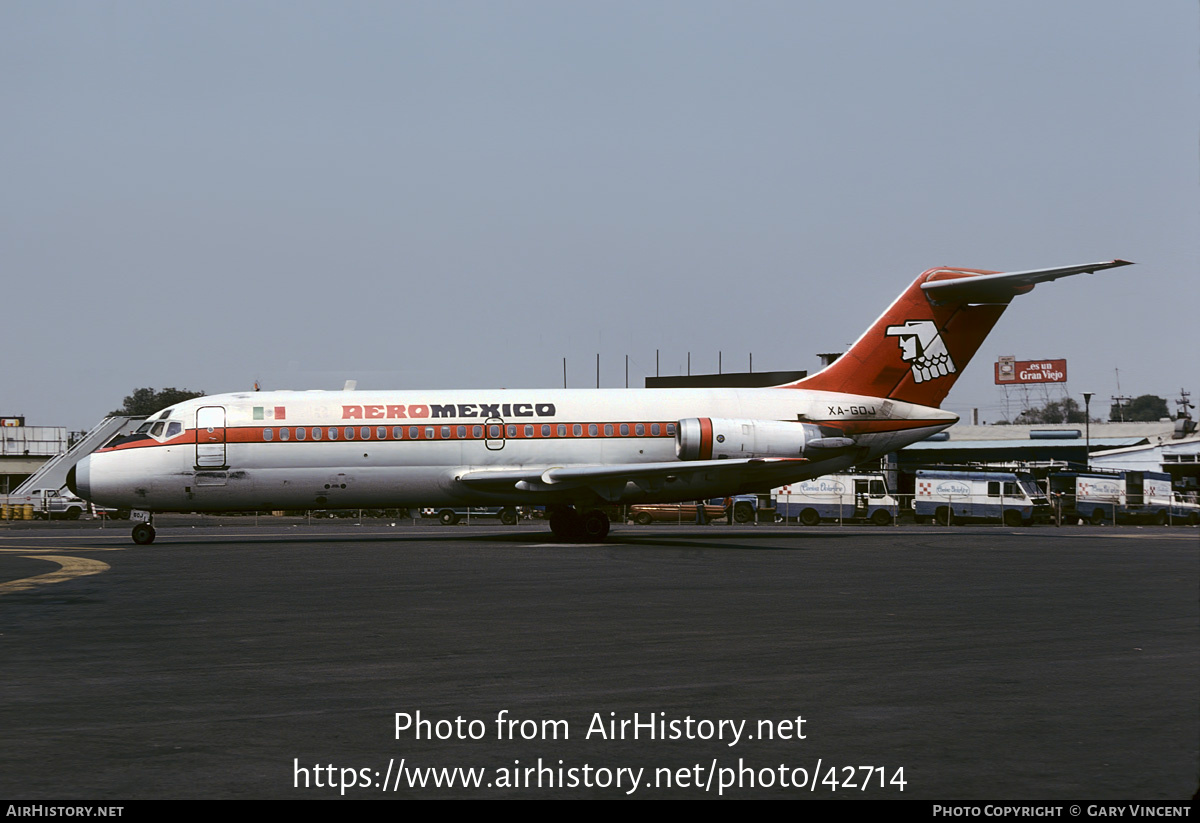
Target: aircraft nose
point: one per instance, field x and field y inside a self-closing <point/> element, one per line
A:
<point x="78" y="477"/>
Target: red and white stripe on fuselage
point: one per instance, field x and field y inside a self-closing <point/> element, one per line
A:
<point x="852" y="416"/>
<point x="411" y="432"/>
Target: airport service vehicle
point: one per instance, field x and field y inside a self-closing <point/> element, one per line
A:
<point x="683" y="512"/>
<point x="840" y="497"/>
<point x="573" y="451"/>
<point x="748" y="508"/>
<point x="1102" y="495"/>
<point x="450" y="515"/>
<point x="1186" y="508"/>
<point x="48" y="504"/>
<point x="1009" y="497"/>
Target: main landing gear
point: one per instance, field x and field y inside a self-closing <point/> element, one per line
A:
<point x="568" y="524"/>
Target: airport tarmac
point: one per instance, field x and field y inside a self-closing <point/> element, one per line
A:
<point x="271" y="658"/>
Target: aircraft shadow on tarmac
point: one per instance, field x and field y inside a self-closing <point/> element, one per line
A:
<point x="742" y="539"/>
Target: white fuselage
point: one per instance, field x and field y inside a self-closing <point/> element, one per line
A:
<point x="316" y="449"/>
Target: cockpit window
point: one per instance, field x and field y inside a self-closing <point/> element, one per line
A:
<point x="174" y="428"/>
<point x="145" y="427"/>
<point x="158" y="428"/>
<point x="164" y="414"/>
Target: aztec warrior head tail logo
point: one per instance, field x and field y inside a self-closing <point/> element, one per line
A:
<point x="921" y="345"/>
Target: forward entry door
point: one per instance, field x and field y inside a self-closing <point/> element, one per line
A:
<point x="210" y="437"/>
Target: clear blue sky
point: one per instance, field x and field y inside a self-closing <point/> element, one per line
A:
<point x="460" y="194"/>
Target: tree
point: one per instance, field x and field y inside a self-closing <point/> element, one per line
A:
<point x="1145" y="409"/>
<point x="1056" y="411"/>
<point x="147" y="401"/>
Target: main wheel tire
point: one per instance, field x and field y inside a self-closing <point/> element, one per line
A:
<point x="566" y="524"/>
<point x="643" y="518"/>
<point x="508" y="517"/>
<point x="809" y="517"/>
<point x="143" y="534"/>
<point x="73" y="513"/>
<point x="594" y="526"/>
<point x="881" y="517"/>
<point x="448" y="518"/>
<point x="743" y="513"/>
<point x="1012" y="517"/>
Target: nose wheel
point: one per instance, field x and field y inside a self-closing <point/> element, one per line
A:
<point x="143" y="534"/>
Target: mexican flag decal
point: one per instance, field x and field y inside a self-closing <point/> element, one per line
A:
<point x="270" y="413"/>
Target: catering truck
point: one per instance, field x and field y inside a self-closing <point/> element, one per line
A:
<point x="1106" y="496"/>
<point x="837" y="497"/>
<point x="979" y="495"/>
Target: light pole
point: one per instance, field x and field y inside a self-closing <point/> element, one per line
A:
<point x="1087" y="423"/>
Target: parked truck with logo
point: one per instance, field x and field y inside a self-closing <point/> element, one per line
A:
<point x="837" y="497"/>
<point x="1105" y="496"/>
<point x="952" y="496"/>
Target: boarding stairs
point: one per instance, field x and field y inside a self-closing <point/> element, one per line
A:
<point x="53" y="473"/>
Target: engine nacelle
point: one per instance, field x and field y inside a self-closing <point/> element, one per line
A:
<point x="709" y="438"/>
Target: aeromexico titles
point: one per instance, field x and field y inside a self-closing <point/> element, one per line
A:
<point x="572" y="451"/>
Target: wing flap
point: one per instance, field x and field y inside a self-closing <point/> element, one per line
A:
<point x="608" y="481"/>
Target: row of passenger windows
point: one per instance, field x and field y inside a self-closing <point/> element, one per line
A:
<point x="494" y="431"/>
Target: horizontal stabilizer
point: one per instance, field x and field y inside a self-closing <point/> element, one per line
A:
<point x="1001" y="287"/>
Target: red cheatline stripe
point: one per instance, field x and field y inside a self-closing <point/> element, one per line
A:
<point x="186" y="439"/>
<point x="512" y="431"/>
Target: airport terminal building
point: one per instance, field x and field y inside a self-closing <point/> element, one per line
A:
<point x="23" y="449"/>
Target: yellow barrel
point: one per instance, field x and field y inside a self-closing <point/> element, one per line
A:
<point x="3" y="511"/>
<point x="28" y="511"/>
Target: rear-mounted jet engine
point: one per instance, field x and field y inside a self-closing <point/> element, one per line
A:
<point x="709" y="438"/>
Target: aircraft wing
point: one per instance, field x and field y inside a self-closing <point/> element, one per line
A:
<point x="611" y="482"/>
<point x="989" y="288"/>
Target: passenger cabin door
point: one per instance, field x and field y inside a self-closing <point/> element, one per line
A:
<point x="210" y="437"/>
<point x="494" y="434"/>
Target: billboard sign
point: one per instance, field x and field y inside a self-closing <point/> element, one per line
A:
<point x="1010" y="370"/>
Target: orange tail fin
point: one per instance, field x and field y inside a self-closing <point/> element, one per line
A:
<point x="915" y="351"/>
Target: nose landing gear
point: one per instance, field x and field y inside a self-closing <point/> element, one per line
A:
<point x="143" y="532"/>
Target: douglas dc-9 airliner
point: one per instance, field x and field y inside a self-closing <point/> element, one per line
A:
<point x="570" y="450"/>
